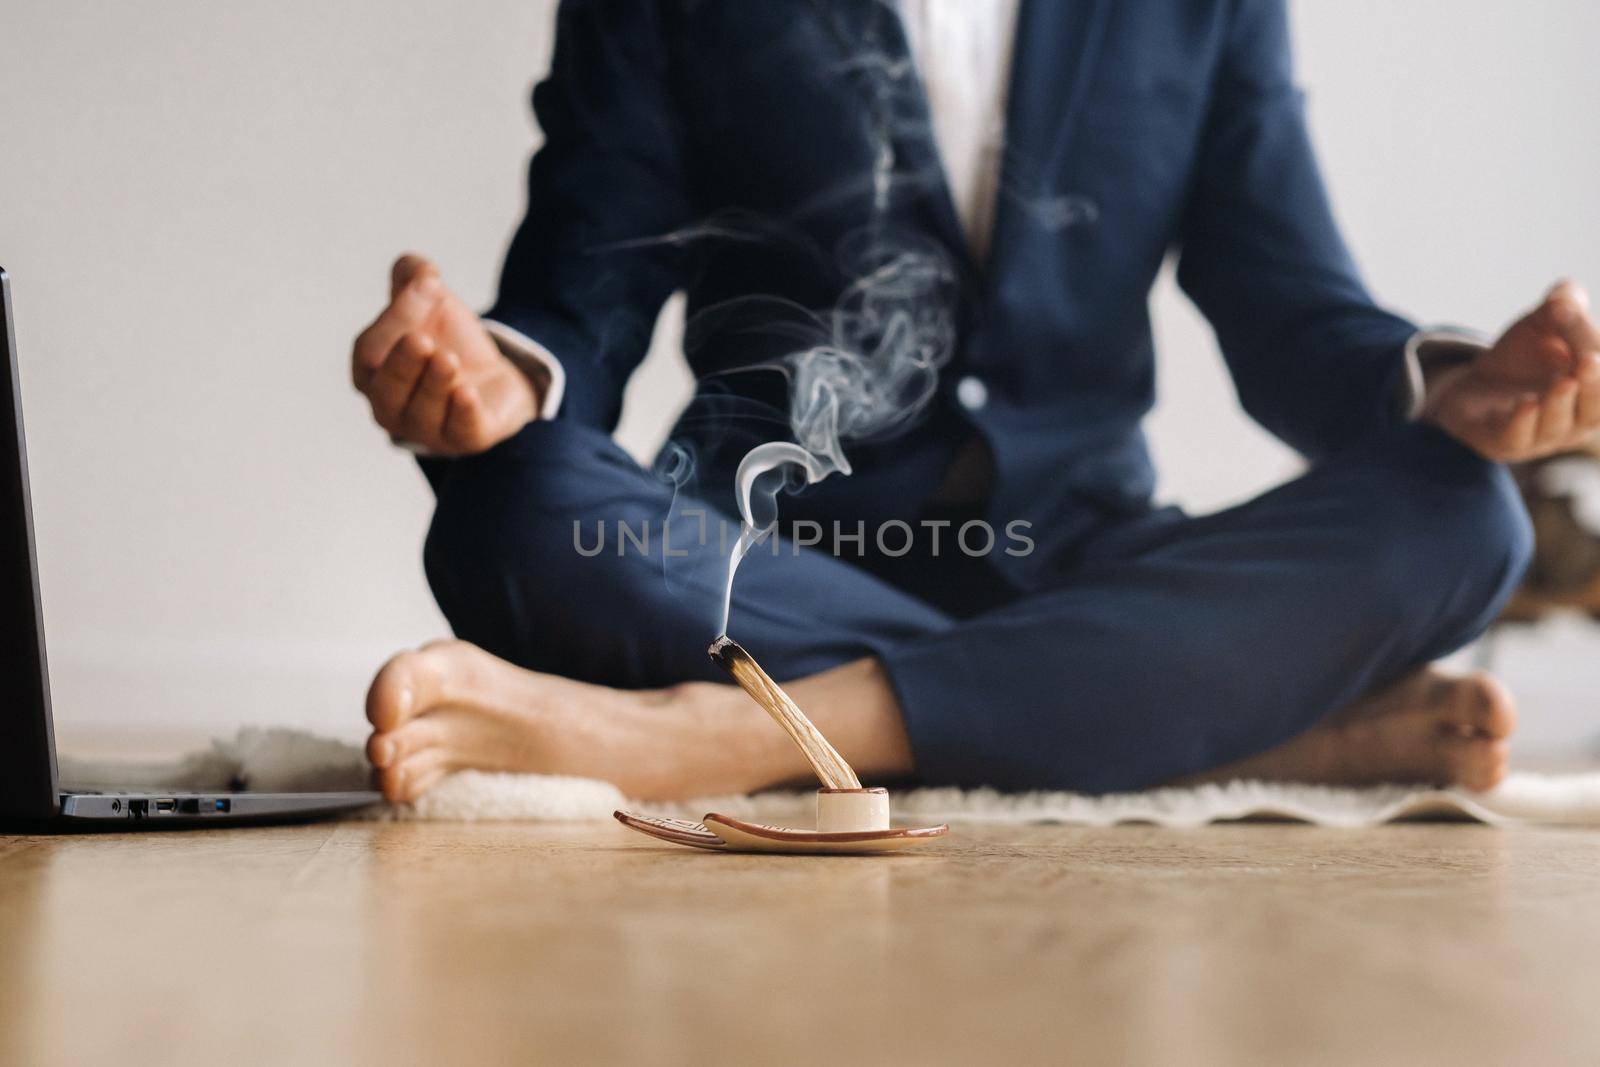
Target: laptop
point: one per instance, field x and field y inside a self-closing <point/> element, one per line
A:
<point x="30" y="792"/>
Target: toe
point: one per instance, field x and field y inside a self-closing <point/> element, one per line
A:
<point x="425" y="780"/>
<point x="406" y="686"/>
<point x="409" y="778"/>
<point x="392" y="697"/>
<point x="380" y="750"/>
<point x="1485" y="708"/>
<point x="390" y="783"/>
<point x="1476" y="764"/>
<point x="388" y="748"/>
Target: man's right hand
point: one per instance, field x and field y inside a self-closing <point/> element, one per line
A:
<point x="433" y="375"/>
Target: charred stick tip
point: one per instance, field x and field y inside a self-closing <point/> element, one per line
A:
<point x="724" y="650"/>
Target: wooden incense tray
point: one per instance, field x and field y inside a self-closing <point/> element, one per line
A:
<point x="724" y="833"/>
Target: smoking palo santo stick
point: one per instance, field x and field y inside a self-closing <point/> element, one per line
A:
<point x="825" y="760"/>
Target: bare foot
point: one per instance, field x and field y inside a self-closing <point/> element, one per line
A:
<point x="1429" y="727"/>
<point x="450" y="706"/>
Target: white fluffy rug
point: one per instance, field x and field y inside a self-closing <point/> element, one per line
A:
<point x="291" y="760"/>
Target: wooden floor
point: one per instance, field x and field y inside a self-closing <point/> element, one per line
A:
<point x="369" y="943"/>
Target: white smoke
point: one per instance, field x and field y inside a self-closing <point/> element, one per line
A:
<point x="867" y="377"/>
<point x="865" y="369"/>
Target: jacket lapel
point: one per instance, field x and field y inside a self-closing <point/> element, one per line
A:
<point x="1052" y="63"/>
<point x="872" y="43"/>
<point x="1052" y="66"/>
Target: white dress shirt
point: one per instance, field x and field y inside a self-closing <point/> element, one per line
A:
<point x="962" y="50"/>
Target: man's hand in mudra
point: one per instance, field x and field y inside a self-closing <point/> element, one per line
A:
<point x="1535" y="392"/>
<point x="432" y="373"/>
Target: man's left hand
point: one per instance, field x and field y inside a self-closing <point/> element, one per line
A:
<point x="1534" y="393"/>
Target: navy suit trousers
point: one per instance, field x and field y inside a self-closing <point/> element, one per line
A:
<point x="1163" y="645"/>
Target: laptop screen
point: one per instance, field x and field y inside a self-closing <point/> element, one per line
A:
<point x="27" y="753"/>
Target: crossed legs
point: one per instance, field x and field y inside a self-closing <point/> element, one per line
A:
<point x="1284" y="638"/>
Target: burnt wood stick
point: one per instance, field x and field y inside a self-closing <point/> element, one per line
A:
<point x="825" y="760"/>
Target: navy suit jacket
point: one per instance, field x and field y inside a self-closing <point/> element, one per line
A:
<point x="1132" y="129"/>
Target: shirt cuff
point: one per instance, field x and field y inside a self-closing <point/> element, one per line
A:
<point x="535" y="360"/>
<point x="1430" y="349"/>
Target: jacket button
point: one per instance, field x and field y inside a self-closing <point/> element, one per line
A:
<point x="971" y="393"/>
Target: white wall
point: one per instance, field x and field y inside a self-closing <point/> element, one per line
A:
<point x="198" y="202"/>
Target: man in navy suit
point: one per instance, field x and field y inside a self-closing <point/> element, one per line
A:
<point x="1044" y="157"/>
